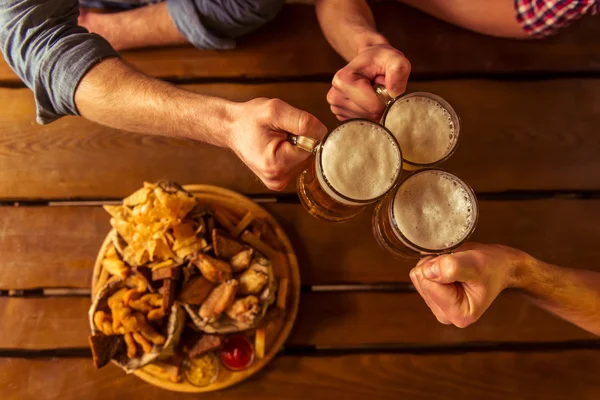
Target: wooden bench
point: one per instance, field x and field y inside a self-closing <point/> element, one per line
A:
<point x="530" y="149"/>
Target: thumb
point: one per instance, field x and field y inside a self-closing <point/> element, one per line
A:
<point x="298" y="122"/>
<point x="450" y="268"/>
<point x="397" y="71"/>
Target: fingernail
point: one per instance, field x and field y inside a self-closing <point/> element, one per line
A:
<point x="432" y="272"/>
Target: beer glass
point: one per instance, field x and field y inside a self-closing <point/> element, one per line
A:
<point x="355" y="165"/>
<point x="431" y="212"/>
<point x="425" y="125"/>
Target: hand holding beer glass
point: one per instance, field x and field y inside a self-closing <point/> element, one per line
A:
<point x="355" y="165"/>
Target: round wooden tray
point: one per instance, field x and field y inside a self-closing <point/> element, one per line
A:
<point x="286" y="267"/>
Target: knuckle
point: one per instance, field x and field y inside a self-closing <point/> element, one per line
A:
<point x="463" y="322"/>
<point x="340" y="79"/>
<point x="272" y="107"/>
<point x="332" y="96"/>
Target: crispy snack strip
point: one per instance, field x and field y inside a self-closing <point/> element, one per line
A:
<point x="131" y="349"/>
<point x="142" y="341"/>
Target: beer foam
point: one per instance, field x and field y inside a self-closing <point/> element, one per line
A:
<point x="360" y="160"/>
<point x="434" y="210"/>
<point x="423" y="127"/>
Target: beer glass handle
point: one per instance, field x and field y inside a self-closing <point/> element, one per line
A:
<point x="304" y="143"/>
<point x="383" y="94"/>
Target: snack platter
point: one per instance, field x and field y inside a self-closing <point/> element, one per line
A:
<point x="195" y="288"/>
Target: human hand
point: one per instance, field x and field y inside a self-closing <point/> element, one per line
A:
<point x="460" y="286"/>
<point x="259" y="138"/>
<point x="352" y="94"/>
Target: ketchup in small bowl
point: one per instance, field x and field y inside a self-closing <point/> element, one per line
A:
<point x="237" y="353"/>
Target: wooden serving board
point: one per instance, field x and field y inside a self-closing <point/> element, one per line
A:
<point x="285" y="266"/>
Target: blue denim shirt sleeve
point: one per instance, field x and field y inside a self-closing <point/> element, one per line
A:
<point x="43" y="44"/>
<point x="215" y="24"/>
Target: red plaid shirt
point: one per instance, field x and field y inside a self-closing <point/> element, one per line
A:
<point x="545" y="17"/>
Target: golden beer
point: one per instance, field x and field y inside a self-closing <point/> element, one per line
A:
<point x="356" y="164"/>
<point x="426" y="126"/>
<point x="431" y="212"/>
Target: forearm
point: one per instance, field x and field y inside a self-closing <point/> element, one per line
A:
<point x="572" y="294"/>
<point x="348" y="25"/>
<point x="118" y="96"/>
<point x="142" y="27"/>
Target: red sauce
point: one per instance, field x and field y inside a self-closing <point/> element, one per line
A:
<point x="237" y="353"/>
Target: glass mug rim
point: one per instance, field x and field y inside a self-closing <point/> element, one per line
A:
<point x="455" y="119"/>
<point x="424" y="250"/>
<point x="319" y="163"/>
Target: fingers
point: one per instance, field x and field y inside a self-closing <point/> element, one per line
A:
<point x="450" y="268"/>
<point x="397" y="71"/>
<point x="417" y="278"/>
<point x="285" y="118"/>
<point x="344" y="108"/>
<point x="355" y="85"/>
<point x="285" y="161"/>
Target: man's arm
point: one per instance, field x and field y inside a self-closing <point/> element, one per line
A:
<point x="116" y="95"/>
<point x="205" y="24"/>
<point x="572" y="294"/>
<point x="349" y="27"/>
<point x="459" y="287"/>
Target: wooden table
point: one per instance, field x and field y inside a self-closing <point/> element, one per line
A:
<point x="531" y="112"/>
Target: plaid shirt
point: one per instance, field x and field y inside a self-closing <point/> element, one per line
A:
<point x="544" y="17"/>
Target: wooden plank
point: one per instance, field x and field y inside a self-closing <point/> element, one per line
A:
<point x="502" y="147"/>
<point x="325" y="319"/>
<point x="293" y="45"/>
<point x="503" y="375"/>
<point x="57" y="246"/>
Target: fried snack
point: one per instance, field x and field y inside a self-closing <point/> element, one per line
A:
<point x="162" y="264"/>
<point x="131" y="295"/>
<point x="241" y="260"/>
<point x="282" y="293"/>
<point x="146" y="303"/>
<point x="243" y="224"/>
<point x="224" y="246"/>
<point x="195" y="290"/>
<point x="164" y="371"/>
<point x="252" y="281"/>
<point x="244" y="310"/>
<point x="214" y="270"/>
<point x="130" y="343"/>
<point x="142" y="341"/>
<point x="138" y="282"/>
<point x="205" y="344"/>
<point x="219" y="299"/>
<point x="259" y="343"/>
<point x="103" y="322"/>
<point x="148" y="331"/>
<point x="103" y="348"/>
<point x="258" y="244"/>
<point x="168" y="294"/>
<point x="115" y="267"/>
<point x="166" y="273"/>
<point x="156" y="314"/>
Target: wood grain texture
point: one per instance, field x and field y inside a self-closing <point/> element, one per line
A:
<point x="516" y="135"/>
<point x="57" y="246"/>
<point x="324" y="319"/>
<point x="493" y="376"/>
<point x="293" y="45"/>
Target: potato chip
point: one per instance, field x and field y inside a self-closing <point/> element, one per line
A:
<point x="118" y="212"/>
<point x="139" y="197"/>
<point x="161" y="264"/>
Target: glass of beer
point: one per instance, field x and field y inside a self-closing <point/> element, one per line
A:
<point x="431" y="212"/>
<point x="355" y="165"/>
<point x="425" y="125"/>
